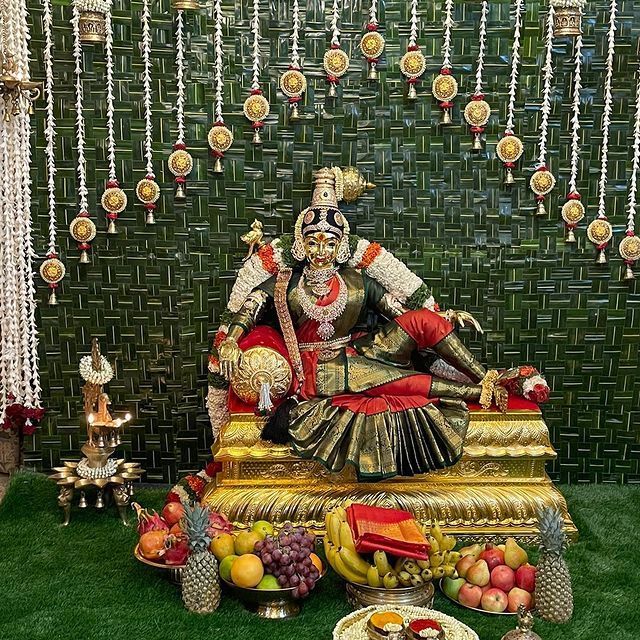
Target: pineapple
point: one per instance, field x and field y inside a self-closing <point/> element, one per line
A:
<point x="200" y="582"/>
<point x="553" y="595"/>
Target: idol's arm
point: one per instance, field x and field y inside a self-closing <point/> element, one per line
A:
<point x="242" y="322"/>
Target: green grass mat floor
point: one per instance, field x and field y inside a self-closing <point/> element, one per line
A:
<point x="83" y="583"/>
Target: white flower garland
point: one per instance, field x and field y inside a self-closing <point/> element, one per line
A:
<point x="446" y="41"/>
<point x="111" y="140"/>
<point x="568" y="4"/>
<point x="85" y="471"/>
<point x="80" y="130"/>
<point x="146" y="84"/>
<point x="218" y="409"/>
<point x="89" y="374"/>
<point x="413" y="28"/>
<point x="255" y="47"/>
<point x="575" y="116"/>
<point x="547" y="68"/>
<point x="606" y="115"/>
<point x="50" y="122"/>
<point x="482" y="37"/>
<point x="295" y="35"/>
<point x="633" y="184"/>
<point x="100" y="6"/>
<point x="373" y="12"/>
<point x="335" y="29"/>
<point x="515" y="61"/>
<point x="180" y="69"/>
<point x="219" y="75"/>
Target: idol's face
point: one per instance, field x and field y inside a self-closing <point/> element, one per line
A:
<point x="321" y="249"/>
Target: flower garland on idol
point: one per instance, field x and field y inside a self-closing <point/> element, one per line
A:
<point x="147" y="189"/>
<point x="445" y="86"/>
<point x="292" y="82"/>
<point x="82" y="228"/>
<point x="335" y="60"/>
<point x="543" y="181"/>
<point x="413" y="63"/>
<point x="629" y="248"/>
<point x="52" y="270"/>
<point x="220" y="136"/>
<point x="180" y="161"/>
<point x="573" y="210"/>
<point x="256" y="106"/>
<point x="509" y="147"/>
<point x="477" y="112"/>
<point x="372" y="42"/>
<point x="114" y="199"/>
<point x="600" y="230"/>
<point x="20" y="390"/>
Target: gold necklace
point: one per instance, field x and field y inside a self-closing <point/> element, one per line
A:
<point x="317" y="279"/>
<point x="326" y="315"/>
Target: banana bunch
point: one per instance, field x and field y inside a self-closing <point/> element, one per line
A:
<point x="340" y="551"/>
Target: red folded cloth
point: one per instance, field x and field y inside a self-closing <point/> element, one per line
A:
<point x="391" y="530"/>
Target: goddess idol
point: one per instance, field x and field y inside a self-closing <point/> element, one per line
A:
<point x="378" y="376"/>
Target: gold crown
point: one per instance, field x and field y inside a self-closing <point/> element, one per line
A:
<point x="324" y="191"/>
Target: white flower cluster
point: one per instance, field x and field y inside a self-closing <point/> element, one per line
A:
<point x="255" y="47"/>
<point x="335" y="30"/>
<point x="180" y="69"/>
<point x="482" y="37"/>
<point x="217" y="48"/>
<point x="111" y="139"/>
<point x="80" y="128"/>
<point x="217" y="406"/>
<point x="295" y="35"/>
<point x="251" y="275"/>
<point x="85" y="471"/>
<point x="446" y="41"/>
<point x="413" y="29"/>
<point x="547" y="68"/>
<point x="568" y="4"/>
<point x="633" y="185"/>
<point x="575" y="115"/>
<point x="146" y="84"/>
<point x="515" y="61"/>
<point x="529" y="384"/>
<point x="100" y="6"/>
<point x="393" y="275"/>
<point x="89" y="374"/>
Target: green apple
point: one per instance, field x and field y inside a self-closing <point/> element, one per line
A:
<point x="268" y="582"/>
<point x="262" y="528"/>
<point x="225" y="567"/>
<point x="451" y="586"/>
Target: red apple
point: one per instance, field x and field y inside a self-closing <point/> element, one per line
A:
<point x="493" y="557"/>
<point x="503" y="578"/>
<point x="517" y="597"/>
<point x="478" y="573"/>
<point x="462" y="566"/>
<point x="494" y="600"/>
<point x="470" y="595"/>
<point x="172" y="512"/>
<point x="486" y="587"/>
<point x="526" y="577"/>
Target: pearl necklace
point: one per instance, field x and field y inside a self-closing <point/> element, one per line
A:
<point x="327" y="314"/>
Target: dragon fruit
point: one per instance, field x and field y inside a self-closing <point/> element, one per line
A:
<point x="218" y="524"/>
<point x="148" y="520"/>
<point x="177" y="550"/>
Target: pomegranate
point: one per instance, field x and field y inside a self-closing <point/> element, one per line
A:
<point x="172" y="512"/>
<point x="148" y="520"/>
<point x="152" y="545"/>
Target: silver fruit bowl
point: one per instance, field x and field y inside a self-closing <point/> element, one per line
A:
<point x="360" y="596"/>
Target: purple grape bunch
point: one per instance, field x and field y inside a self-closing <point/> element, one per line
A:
<point x="287" y="557"/>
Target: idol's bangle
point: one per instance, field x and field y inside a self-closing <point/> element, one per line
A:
<point x="488" y="384"/>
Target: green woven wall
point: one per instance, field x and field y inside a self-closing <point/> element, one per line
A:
<point x="153" y="294"/>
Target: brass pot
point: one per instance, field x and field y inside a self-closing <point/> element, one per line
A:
<point x="567" y="21"/>
<point x="360" y="596"/>
<point x="93" y="27"/>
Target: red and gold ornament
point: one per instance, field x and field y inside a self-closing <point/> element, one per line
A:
<point x="52" y="271"/>
<point x="509" y="149"/>
<point x="180" y="164"/>
<point x="477" y="113"/>
<point x="572" y="212"/>
<point x="114" y="202"/>
<point x="148" y="192"/>
<point x="445" y="89"/>
<point x="372" y="46"/>
<point x="83" y="231"/>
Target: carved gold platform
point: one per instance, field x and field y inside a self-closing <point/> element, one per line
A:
<point x="492" y="492"/>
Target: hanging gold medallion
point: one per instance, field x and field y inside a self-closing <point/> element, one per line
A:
<point x="572" y="212"/>
<point x="629" y="250"/>
<point x="52" y="270"/>
<point x="220" y="138"/>
<point x="372" y="46"/>
<point x="293" y="83"/>
<point x="256" y="107"/>
<point x="114" y="200"/>
<point x="335" y="62"/>
<point x="445" y="89"/>
<point x="83" y="231"/>
<point x="509" y="150"/>
<point x="412" y="65"/>
<point x="542" y="182"/>
<point x="180" y="162"/>
<point x="148" y="191"/>
<point x="477" y="113"/>
<point x="600" y="232"/>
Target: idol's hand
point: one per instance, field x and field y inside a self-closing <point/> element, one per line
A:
<point x="230" y="356"/>
<point x="462" y="318"/>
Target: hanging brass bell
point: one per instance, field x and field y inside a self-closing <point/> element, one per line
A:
<point x="53" y="300"/>
<point x="332" y="90"/>
<point x="257" y="139"/>
<point x="217" y="165"/>
<point x="84" y="257"/>
<point x="180" y="192"/>
<point x="111" y="228"/>
<point x="100" y="500"/>
<point x="82" y="503"/>
<point x="628" y="273"/>
<point x="509" y="179"/>
<point x="446" y="116"/>
<point x="373" y="72"/>
<point x="413" y="94"/>
<point x="150" y="219"/>
<point x="540" y="210"/>
<point x="571" y="237"/>
<point x="477" y="142"/>
<point x="295" y="114"/>
<point x="602" y="257"/>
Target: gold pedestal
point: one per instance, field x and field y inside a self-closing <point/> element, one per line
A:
<point x="493" y="492"/>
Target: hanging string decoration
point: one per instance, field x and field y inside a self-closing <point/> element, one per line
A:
<point x="567" y="20"/>
<point x="477" y="112"/>
<point x="93" y="20"/>
<point x="372" y="42"/>
<point x="180" y="161"/>
<point x="573" y="209"/>
<point x="147" y="189"/>
<point x="335" y="61"/>
<point x="543" y="181"/>
<point x="445" y="86"/>
<point x="52" y="270"/>
<point x="256" y="106"/>
<point x="509" y="147"/>
<point x="292" y="82"/>
<point x="220" y="136"/>
<point x="114" y="199"/>
<point x="629" y="247"/>
<point x="82" y="228"/>
<point x="20" y="389"/>
<point x="413" y="63"/>
<point x="600" y="230"/>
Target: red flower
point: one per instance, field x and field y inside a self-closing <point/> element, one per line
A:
<point x="265" y="253"/>
<point x="196" y="484"/>
<point x="212" y="468"/>
<point x="220" y="336"/>
<point x="540" y="393"/>
<point x="369" y="255"/>
<point x="526" y="371"/>
<point x="172" y="496"/>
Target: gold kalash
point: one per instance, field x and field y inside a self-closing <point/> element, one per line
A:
<point x="492" y="492"/>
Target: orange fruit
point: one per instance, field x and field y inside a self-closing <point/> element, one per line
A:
<point x="222" y="546"/>
<point x="317" y="563"/>
<point x="246" y="541"/>
<point x="247" y="571"/>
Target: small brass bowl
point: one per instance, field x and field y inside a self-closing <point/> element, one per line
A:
<point x="360" y="596"/>
<point x="174" y="570"/>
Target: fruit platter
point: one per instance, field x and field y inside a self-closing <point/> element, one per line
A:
<point x="384" y="577"/>
<point x="492" y="579"/>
